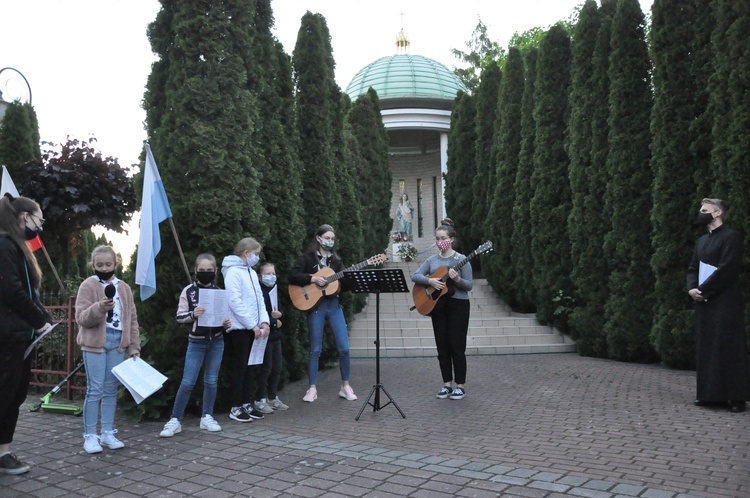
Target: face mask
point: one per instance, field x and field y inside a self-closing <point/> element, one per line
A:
<point x="268" y="280"/>
<point x="252" y="260"/>
<point x="31" y="233"/>
<point x="327" y="244"/>
<point x="705" y="218"/>
<point x="205" y="277"/>
<point x="443" y="245"/>
<point x="104" y="275"/>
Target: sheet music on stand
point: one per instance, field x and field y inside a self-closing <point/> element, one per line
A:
<point x="375" y="281"/>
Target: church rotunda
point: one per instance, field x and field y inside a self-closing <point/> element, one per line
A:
<point x="416" y="95"/>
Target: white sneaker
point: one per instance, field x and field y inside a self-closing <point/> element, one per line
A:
<point x="91" y="443"/>
<point x="277" y="404"/>
<point x="108" y="439"/>
<point x="210" y="424"/>
<point x="311" y="395"/>
<point x="347" y="393"/>
<point x="171" y="428"/>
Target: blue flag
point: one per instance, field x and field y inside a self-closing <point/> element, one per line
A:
<point x="154" y="210"/>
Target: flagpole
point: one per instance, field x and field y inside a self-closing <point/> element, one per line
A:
<point x="54" y="271"/>
<point x="179" y="249"/>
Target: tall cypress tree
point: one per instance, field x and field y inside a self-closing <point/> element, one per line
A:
<point x="317" y="104"/>
<point x="550" y="204"/>
<point x="738" y="166"/>
<point x="674" y="50"/>
<point x="201" y="114"/>
<point x="629" y="307"/>
<point x="486" y="102"/>
<point x="588" y="315"/>
<point x="499" y="221"/>
<point x="715" y="181"/>
<point x="586" y="277"/>
<point x="281" y="178"/>
<point x="373" y="173"/>
<point x="461" y="166"/>
<point x="521" y="256"/>
<point x="19" y="141"/>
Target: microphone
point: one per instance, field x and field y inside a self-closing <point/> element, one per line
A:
<point x="109" y="292"/>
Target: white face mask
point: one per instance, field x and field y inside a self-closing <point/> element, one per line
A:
<point x="268" y="280"/>
<point x="252" y="260"/>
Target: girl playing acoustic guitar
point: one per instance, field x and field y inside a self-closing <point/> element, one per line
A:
<point x="321" y="255"/>
<point x="450" y="322"/>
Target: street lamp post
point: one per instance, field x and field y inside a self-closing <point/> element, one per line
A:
<point x="3" y="104"/>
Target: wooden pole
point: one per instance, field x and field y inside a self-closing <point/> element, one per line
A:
<point x="179" y="249"/>
<point x="54" y="271"/>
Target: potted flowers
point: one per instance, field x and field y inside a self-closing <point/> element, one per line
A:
<point x="406" y="251"/>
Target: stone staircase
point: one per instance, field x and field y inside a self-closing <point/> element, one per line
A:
<point x="494" y="329"/>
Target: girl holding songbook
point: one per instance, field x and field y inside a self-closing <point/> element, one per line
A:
<point x="205" y="345"/>
<point x="107" y="329"/>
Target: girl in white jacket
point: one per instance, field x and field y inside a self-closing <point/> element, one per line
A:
<point x="249" y="317"/>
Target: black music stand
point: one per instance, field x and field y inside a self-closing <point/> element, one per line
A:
<point x="377" y="281"/>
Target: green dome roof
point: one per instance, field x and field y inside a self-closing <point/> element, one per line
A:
<point x="405" y="77"/>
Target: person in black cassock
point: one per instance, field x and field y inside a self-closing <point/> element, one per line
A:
<point x="713" y="284"/>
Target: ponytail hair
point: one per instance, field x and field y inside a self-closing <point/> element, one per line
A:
<point x="11" y="209"/>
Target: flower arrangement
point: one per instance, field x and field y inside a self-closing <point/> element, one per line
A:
<point x="407" y="252"/>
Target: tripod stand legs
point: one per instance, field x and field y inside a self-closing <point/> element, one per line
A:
<point x="376" y="405"/>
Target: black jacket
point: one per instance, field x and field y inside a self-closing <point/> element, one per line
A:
<point x="20" y="310"/>
<point x="275" y="334"/>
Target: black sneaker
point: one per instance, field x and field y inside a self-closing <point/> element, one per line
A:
<point x="10" y="464"/>
<point x="458" y="393"/>
<point x="253" y="413"/>
<point x="444" y="392"/>
<point x="239" y="414"/>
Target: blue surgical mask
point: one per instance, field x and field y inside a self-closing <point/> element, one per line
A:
<point x="268" y="280"/>
<point x="252" y="260"/>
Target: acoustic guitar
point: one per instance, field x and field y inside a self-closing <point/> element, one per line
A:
<point x="308" y="297"/>
<point x="427" y="299"/>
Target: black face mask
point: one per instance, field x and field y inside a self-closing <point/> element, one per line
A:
<point x="31" y="233"/>
<point x="704" y="218"/>
<point x="104" y="275"/>
<point x="205" y="277"/>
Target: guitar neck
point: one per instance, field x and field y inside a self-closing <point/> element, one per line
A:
<point x="340" y="274"/>
<point x="460" y="264"/>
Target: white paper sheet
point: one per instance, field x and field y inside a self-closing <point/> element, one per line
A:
<point x="257" y="351"/>
<point x="216" y="302"/>
<point x="140" y="378"/>
<point x="704" y="271"/>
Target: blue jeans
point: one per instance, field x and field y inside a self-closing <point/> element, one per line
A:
<point x="101" y="384"/>
<point x="330" y="309"/>
<point x="198" y="351"/>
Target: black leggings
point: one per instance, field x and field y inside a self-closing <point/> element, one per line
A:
<point x="243" y="375"/>
<point x="451" y="326"/>
<point x="15" y="373"/>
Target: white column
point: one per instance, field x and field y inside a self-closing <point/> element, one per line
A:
<point x="443" y="171"/>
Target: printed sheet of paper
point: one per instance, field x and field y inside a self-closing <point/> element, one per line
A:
<point x="704" y="271"/>
<point x="140" y="378"/>
<point x="216" y="302"/>
<point x="257" y="351"/>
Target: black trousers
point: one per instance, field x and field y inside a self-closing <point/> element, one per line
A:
<point x="271" y="371"/>
<point x="15" y="373"/>
<point x="451" y="326"/>
<point x="243" y="375"/>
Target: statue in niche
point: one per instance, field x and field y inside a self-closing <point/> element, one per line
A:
<point x="405" y="215"/>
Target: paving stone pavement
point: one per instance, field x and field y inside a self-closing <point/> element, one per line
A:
<point x="530" y="426"/>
